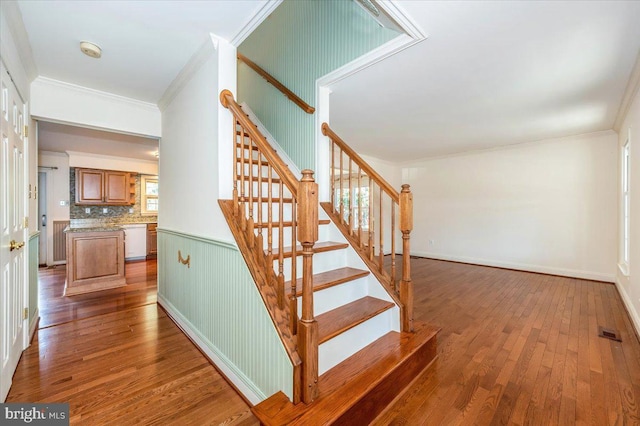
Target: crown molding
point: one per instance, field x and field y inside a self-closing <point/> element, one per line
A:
<point x="629" y="95"/>
<point x="255" y="21"/>
<point x="20" y="37"/>
<point x="402" y="18"/>
<point x="195" y="62"/>
<point x="93" y="92"/>
<point x="560" y="139"/>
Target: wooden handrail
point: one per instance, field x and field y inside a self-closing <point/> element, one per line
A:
<point x="281" y="87"/>
<point x="395" y="196"/>
<point x="257" y="170"/>
<point x="371" y="249"/>
<point x="227" y="100"/>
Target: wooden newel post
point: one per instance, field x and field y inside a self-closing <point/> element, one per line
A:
<point x="308" y="327"/>
<point x="406" y="286"/>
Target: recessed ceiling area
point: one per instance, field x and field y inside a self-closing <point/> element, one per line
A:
<point x="56" y="137"/>
<point x="492" y="74"/>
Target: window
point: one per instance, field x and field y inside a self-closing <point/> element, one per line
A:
<point x="626" y="217"/>
<point x="149" y="197"/>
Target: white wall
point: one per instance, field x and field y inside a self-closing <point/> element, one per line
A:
<point x="57" y="191"/>
<point x="548" y="207"/>
<point x="57" y="101"/>
<point x="193" y="129"/>
<point x="629" y="284"/>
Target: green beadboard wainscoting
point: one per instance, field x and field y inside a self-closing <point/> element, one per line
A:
<point x="34" y="247"/>
<point x="215" y="297"/>
<point x="298" y="43"/>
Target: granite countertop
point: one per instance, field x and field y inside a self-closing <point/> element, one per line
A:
<point x="105" y="228"/>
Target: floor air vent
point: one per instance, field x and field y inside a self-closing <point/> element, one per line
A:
<point x="609" y="333"/>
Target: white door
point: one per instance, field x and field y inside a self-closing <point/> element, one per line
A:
<point x="12" y="232"/>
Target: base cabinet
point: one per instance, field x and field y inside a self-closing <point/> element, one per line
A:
<point x="152" y="241"/>
<point x="95" y="261"/>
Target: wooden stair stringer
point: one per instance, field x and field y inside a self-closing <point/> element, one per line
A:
<point x="279" y="316"/>
<point x="383" y="278"/>
<point x="360" y="388"/>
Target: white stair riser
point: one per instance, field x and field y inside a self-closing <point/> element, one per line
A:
<point x="341" y="347"/>
<point x="322" y="262"/>
<point x="336" y="296"/>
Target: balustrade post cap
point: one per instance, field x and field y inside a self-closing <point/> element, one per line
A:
<point x="223" y="97"/>
<point x="307" y="175"/>
<point x="406" y="187"/>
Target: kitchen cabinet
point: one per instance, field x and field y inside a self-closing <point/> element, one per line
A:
<point x="152" y="240"/>
<point x="95" y="260"/>
<point x="104" y="187"/>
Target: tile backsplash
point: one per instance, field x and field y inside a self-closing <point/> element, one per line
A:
<point x="114" y="214"/>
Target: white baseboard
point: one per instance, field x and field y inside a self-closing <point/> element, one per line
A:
<point x="34" y="324"/>
<point x="633" y="314"/>
<point x="231" y="372"/>
<point x="586" y="275"/>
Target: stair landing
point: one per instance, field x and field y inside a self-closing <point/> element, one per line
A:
<point x="357" y="390"/>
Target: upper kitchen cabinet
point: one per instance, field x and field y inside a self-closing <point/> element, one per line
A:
<point x="104" y="187"/>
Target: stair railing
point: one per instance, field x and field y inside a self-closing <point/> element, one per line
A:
<point x="257" y="169"/>
<point x="372" y="211"/>
<point x="281" y="87"/>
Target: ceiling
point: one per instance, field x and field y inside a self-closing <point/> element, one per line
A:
<point x="144" y="43"/>
<point x="61" y="138"/>
<point x="489" y="73"/>
<point x="492" y="74"/>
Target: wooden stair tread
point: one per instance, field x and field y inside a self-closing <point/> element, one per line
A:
<point x="341" y="319"/>
<point x="245" y="146"/>
<point x="252" y="161"/>
<point x="358" y="389"/>
<point x="255" y="179"/>
<point x="266" y="200"/>
<point x="287" y="223"/>
<point x="317" y="248"/>
<point x="328" y="279"/>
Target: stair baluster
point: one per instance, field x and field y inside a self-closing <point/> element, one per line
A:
<point x="378" y="225"/>
<point x="304" y="222"/>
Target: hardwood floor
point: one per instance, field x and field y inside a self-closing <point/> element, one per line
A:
<point x="56" y="309"/>
<point x="117" y="358"/>
<point x="520" y="348"/>
<point x="515" y="348"/>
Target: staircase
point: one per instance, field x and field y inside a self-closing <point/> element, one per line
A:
<point x="349" y="333"/>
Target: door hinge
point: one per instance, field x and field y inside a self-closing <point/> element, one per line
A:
<point x="30" y="192"/>
<point x="26" y="222"/>
<point x="26" y="131"/>
<point x="25" y="314"/>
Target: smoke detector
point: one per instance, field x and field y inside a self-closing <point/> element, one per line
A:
<point x="90" y="49"/>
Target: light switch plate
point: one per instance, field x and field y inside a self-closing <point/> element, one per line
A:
<point x="105" y="210"/>
<point x="87" y="210"/>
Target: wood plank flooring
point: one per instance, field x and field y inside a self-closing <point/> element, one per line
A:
<point x="56" y="309"/>
<point x="117" y="359"/>
<point x="520" y="348"/>
<point x="515" y="348"/>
